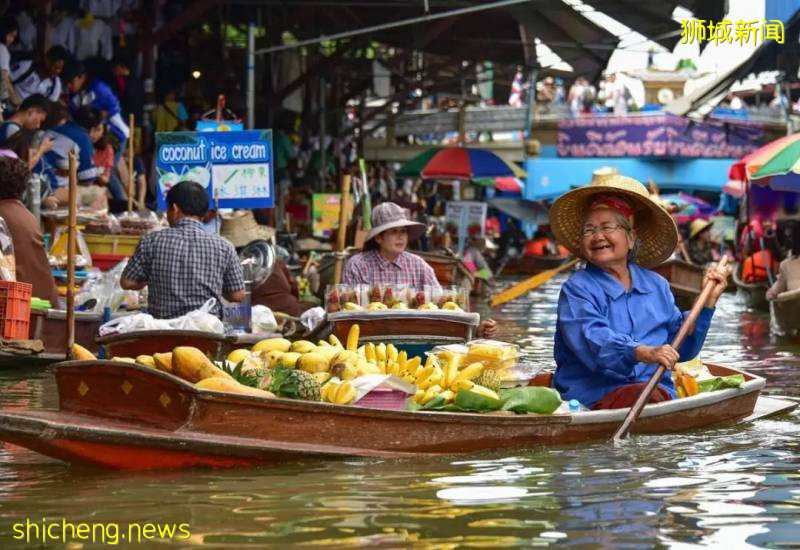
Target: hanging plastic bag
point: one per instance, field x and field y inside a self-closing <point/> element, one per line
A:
<point x="263" y="320"/>
<point x="200" y="319"/>
<point x="8" y="270"/>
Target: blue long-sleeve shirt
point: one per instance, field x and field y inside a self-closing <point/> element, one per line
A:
<point x="99" y="95"/>
<point x="600" y="326"/>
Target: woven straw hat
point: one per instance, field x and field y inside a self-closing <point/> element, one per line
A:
<point x="697" y="227"/>
<point x="240" y="228"/>
<point x="389" y="215"/>
<point x="654" y="226"/>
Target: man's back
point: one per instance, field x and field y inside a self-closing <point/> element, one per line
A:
<point x="184" y="266"/>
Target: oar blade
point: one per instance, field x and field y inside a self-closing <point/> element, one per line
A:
<point x="517" y="290"/>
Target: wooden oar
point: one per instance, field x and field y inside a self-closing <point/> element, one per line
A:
<point x="341" y="235"/>
<point x="72" y="225"/>
<point x="521" y="288"/>
<point x="688" y="323"/>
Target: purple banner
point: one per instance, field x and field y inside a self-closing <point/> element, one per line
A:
<point x="656" y="136"/>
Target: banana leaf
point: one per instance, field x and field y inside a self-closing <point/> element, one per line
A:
<point x="720" y="383"/>
<point x="531" y="399"/>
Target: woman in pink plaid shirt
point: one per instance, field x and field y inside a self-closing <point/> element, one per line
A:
<point x="386" y="261"/>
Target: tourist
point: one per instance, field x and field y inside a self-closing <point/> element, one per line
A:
<point x="31" y="114"/>
<point x="184" y="266"/>
<point x="29" y="254"/>
<point x="30" y="77"/>
<point x="616" y="318"/>
<point x="789" y="269"/>
<point x="386" y="261"/>
<point x="701" y="249"/>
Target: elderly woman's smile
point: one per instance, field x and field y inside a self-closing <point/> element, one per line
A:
<point x="605" y="240"/>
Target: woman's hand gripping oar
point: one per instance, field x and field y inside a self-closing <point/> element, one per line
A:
<point x="688" y="323"/>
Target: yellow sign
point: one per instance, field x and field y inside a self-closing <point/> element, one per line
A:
<point x="725" y="31"/>
<point x="325" y="213"/>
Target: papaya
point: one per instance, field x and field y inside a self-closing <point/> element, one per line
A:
<point x="229" y="385"/>
<point x="80" y="353"/>
<point x="689" y="385"/>
<point x="163" y="361"/>
<point x="192" y="365"/>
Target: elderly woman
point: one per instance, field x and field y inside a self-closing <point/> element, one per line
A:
<point x="386" y="261"/>
<point x="616" y="318"/>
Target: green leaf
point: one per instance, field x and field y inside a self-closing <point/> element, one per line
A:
<point x="531" y="399"/>
<point x="435" y="403"/>
<point x="470" y="401"/>
<point x="720" y="383"/>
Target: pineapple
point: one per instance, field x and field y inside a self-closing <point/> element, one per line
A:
<point x="488" y="379"/>
<point x="245" y="374"/>
<point x="294" y="384"/>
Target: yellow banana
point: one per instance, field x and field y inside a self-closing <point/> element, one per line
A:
<point x="370" y="352"/>
<point x="424" y="373"/>
<point x="380" y="352"/>
<point x="352" y="337"/>
<point x="431" y="360"/>
<point x="431" y="393"/>
<point x="468" y="373"/>
<point x="447" y="395"/>
<point x="418" y="396"/>
<point x="335" y="342"/>
<point x="402" y="359"/>
<point x="328" y="391"/>
<point x="413" y="364"/>
<point x="450" y="371"/>
<point x="391" y="353"/>
<point x="345" y="394"/>
<point x="323" y="344"/>
<point x="464" y="384"/>
<point x="382" y="365"/>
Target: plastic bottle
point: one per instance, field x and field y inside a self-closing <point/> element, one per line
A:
<point x="574" y="406"/>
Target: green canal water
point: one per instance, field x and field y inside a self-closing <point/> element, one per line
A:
<point x="732" y="488"/>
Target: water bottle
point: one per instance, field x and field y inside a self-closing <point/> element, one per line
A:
<point x="574" y="406"/>
<point x="245" y="306"/>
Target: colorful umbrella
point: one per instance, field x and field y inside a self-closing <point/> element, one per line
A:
<point x="776" y="164"/>
<point x="458" y="163"/>
<point x="689" y="207"/>
<point x="505" y="183"/>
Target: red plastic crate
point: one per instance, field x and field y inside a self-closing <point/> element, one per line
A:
<point x="15" y="310"/>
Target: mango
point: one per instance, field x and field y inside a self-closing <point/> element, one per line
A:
<point x="80" y="353"/>
<point x="314" y="362"/>
<point x="192" y="365"/>
<point x="289" y="359"/>
<point x="302" y="346"/>
<point x="238" y="355"/>
<point x="273" y="344"/>
<point x="163" y="361"/>
<point x="146" y="361"/>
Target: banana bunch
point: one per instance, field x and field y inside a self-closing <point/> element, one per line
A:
<point x="444" y="374"/>
<point x="339" y="394"/>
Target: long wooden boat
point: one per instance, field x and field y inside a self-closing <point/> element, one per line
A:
<point x="124" y="416"/>
<point x="753" y="295"/>
<point x="50" y="327"/>
<point x="685" y="281"/>
<point x="450" y="271"/>
<point x="784" y="313"/>
<point x="531" y="265"/>
<point x="148" y="342"/>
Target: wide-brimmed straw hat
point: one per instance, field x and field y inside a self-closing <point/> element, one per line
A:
<point x="240" y="228"/>
<point x="698" y="226"/>
<point x="654" y="226"/>
<point x="389" y="215"/>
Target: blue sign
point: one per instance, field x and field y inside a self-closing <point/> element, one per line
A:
<point x="235" y="167"/>
<point x="223" y="126"/>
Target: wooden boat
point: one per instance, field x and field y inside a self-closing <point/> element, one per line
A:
<point x="450" y="271"/>
<point x="754" y="295"/>
<point x="784" y="313"/>
<point x="148" y="342"/>
<point x="50" y="327"/>
<point x="685" y="281"/>
<point x="124" y="416"/>
<point x="531" y="265"/>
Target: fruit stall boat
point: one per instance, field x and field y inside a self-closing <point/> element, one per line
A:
<point x="124" y="416"/>
<point x="754" y="295"/>
<point x="784" y="313"/>
<point x="149" y="342"/>
<point x="50" y="328"/>
<point x="685" y="281"/>
<point x="531" y="265"/>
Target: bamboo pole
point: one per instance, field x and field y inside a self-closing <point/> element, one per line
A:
<point x="341" y="235"/>
<point x="131" y="141"/>
<point x="71" y="246"/>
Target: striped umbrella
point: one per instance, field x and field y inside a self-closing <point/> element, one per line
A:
<point x="458" y="163"/>
<point x="776" y="164"/>
<point x="506" y="183"/>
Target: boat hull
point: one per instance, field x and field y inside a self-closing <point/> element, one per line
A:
<point x="752" y="295"/>
<point x="685" y="281"/>
<point x="531" y="265"/>
<point x="123" y="416"/>
<point x="149" y="342"/>
<point x="50" y="327"/>
<point x="784" y="314"/>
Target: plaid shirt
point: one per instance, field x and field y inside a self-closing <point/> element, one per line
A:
<point x="372" y="268"/>
<point x="183" y="267"/>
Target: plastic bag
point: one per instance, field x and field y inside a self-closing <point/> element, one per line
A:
<point x="263" y="320"/>
<point x="312" y="318"/>
<point x="199" y="319"/>
<point x="8" y="271"/>
<point x="58" y="252"/>
<point x="138" y="223"/>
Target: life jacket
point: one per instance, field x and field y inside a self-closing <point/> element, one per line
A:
<point x="754" y="267"/>
<point x="537" y="247"/>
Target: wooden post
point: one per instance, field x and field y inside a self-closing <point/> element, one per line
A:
<point x="131" y="142"/>
<point x="71" y="246"/>
<point x="341" y="235"/>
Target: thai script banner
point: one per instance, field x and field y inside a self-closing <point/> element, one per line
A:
<point x="665" y="136"/>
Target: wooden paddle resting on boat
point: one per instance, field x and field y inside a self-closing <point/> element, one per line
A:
<point x="125" y="416"/>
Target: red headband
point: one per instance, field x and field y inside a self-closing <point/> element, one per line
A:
<point x="615" y="203"/>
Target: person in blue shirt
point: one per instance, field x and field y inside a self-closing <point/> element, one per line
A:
<point x="616" y="318"/>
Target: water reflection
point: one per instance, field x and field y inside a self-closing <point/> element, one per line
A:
<point x="736" y="486"/>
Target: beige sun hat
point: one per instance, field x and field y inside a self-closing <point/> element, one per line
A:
<point x="389" y="215"/>
<point x="240" y="228"/>
<point x="654" y="226"/>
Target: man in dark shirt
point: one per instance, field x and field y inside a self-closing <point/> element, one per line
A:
<point x="184" y="266"/>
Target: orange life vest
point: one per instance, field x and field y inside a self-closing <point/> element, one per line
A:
<point x="754" y="268"/>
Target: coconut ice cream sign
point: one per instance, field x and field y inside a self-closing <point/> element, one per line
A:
<point x="234" y="167"/>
